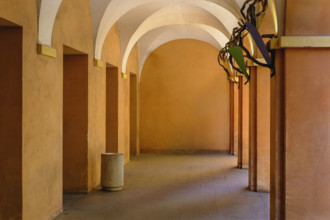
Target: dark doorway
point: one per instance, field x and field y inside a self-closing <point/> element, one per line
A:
<point x="134" y="146"/>
<point x="112" y="109"/>
<point x="75" y="121"/>
<point x="10" y="120"/>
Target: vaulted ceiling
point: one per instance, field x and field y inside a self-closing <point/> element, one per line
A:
<point x="154" y="22"/>
<point x="151" y="23"/>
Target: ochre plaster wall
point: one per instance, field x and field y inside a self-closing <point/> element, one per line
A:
<point x="134" y="138"/>
<point x="42" y="101"/>
<point x="73" y="28"/>
<point x="184" y="99"/>
<point x="299" y="24"/>
<point x="259" y="129"/>
<point x="260" y="117"/>
<point x="307" y="103"/>
<point x="307" y="134"/>
<point x="243" y="115"/>
<point x="43" y="111"/>
<point x="42" y="126"/>
<point x="263" y="129"/>
<point x="243" y="124"/>
<point x="235" y="119"/>
<point x="111" y="55"/>
<point x="300" y="129"/>
<point x="124" y="95"/>
<point x="231" y="122"/>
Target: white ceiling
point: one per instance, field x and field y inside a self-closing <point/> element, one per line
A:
<point x="151" y="23"/>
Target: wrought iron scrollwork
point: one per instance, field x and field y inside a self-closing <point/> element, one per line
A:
<point x="251" y="15"/>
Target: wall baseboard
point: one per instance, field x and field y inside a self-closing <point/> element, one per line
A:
<point x="147" y="151"/>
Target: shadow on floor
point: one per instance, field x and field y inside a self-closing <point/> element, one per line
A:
<point x="182" y="187"/>
<point x="69" y="199"/>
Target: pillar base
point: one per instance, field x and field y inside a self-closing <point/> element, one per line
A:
<point x="243" y="166"/>
<point x="112" y="189"/>
<point x="261" y="190"/>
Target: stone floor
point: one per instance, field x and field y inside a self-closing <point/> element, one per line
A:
<point x="70" y="199"/>
<point x="169" y="187"/>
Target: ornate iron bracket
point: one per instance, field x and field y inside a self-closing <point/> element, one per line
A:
<point x="235" y="50"/>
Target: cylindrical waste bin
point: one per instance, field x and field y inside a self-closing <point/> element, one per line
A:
<point x="112" y="171"/>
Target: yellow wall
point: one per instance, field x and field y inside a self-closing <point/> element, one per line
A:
<point x="234" y="90"/>
<point x="42" y="88"/>
<point x="124" y="96"/>
<point x="111" y="55"/>
<point x="184" y="99"/>
<point x="134" y="114"/>
<point x="236" y="101"/>
<point x="259" y="117"/>
<point x="307" y="114"/>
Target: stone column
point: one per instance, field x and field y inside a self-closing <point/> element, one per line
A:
<point x="243" y="124"/>
<point x="277" y="162"/>
<point x="301" y="114"/>
<point x="231" y="122"/>
<point x="134" y="115"/>
<point x="259" y="145"/>
<point x="233" y="118"/>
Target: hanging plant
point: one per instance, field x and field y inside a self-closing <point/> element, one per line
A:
<point x="235" y="50"/>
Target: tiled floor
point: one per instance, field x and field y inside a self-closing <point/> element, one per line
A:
<point x="169" y="187"/>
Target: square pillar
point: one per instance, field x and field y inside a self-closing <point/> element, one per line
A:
<point x="134" y="114"/>
<point x="277" y="139"/>
<point x="300" y="150"/>
<point x="301" y="136"/>
<point x="233" y="119"/>
<point x="243" y="125"/>
<point x="259" y="160"/>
